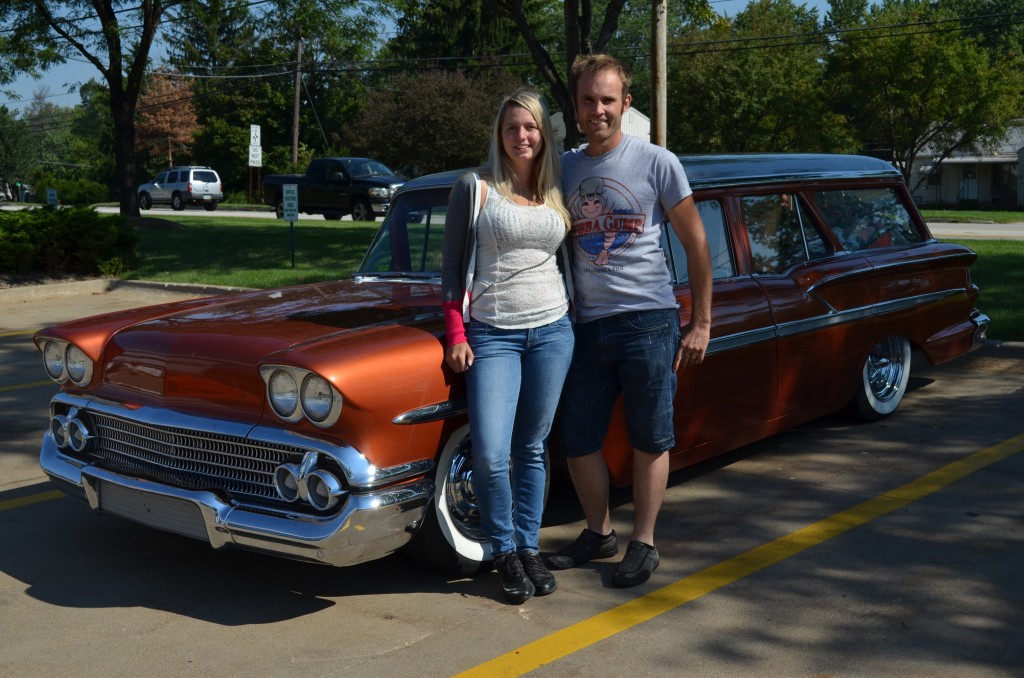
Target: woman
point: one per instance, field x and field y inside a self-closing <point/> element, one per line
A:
<point x="500" y="273"/>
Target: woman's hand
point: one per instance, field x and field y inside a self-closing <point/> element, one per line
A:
<point x="459" y="357"/>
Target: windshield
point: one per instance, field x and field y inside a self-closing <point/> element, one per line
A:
<point x="409" y="241"/>
<point x="368" y="168"/>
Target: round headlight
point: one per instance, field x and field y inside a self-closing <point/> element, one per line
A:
<point x="77" y="364"/>
<point x="317" y="397"/>
<point x="53" y="359"/>
<point x="284" y="393"/>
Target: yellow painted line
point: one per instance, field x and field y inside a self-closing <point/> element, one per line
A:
<point x="590" y="631"/>
<point x="17" y="333"/>
<point x="30" y="499"/>
<point x="31" y="384"/>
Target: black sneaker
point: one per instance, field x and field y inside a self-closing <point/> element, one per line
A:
<point x="637" y="565"/>
<point x="543" y="581"/>
<point x="588" y="546"/>
<point x="517" y="586"/>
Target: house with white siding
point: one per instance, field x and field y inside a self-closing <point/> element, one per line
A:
<point x="988" y="179"/>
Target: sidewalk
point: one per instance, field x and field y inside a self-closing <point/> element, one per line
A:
<point x="29" y="307"/>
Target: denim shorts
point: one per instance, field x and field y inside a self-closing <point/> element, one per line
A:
<point x="628" y="353"/>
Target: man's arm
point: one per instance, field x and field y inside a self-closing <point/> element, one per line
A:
<point x="689" y="228"/>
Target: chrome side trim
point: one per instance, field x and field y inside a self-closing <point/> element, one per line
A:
<point x="839" y="317"/>
<point x="867" y="271"/>
<point x="833" y="317"/>
<point x="442" y="410"/>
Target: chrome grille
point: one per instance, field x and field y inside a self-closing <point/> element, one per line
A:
<point x="190" y="459"/>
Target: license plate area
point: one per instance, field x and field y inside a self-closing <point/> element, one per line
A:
<point x="170" y="514"/>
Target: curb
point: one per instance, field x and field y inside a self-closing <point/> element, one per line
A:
<point x="104" y="285"/>
<point x="1002" y="349"/>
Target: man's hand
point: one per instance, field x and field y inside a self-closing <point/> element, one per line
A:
<point x="692" y="345"/>
<point x="459" y="357"/>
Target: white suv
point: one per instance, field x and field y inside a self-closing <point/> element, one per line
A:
<point x="180" y="186"/>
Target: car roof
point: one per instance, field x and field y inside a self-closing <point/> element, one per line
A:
<point x="708" y="171"/>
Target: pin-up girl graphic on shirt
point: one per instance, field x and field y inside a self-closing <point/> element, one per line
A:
<point x="606" y="219"/>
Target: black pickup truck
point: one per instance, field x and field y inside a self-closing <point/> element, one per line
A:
<point x="335" y="187"/>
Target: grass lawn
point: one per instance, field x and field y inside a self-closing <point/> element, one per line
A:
<point x="248" y="252"/>
<point x="999" y="272"/>
<point x="967" y="216"/>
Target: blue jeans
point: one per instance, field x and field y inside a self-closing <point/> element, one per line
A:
<point x="630" y="354"/>
<point x="513" y="389"/>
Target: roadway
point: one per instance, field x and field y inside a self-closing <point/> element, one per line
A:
<point x="834" y="549"/>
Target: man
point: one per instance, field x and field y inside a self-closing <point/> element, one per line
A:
<point x="620" y="191"/>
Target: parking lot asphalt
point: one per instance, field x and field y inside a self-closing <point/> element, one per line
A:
<point x="834" y="549"/>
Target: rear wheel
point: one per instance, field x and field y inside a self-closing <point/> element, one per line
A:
<point x="210" y="206"/>
<point x="451" y="538"/>
<point x="279" y="207"/>
<point x="332" y="216"/>
<point x="177" y="202"/>
<point x="145" y="202"/>
<point x="361" y="211"/>
<point x="883" y="379"/>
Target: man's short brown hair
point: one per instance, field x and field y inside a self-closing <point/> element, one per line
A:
<point x="592" y="64"/>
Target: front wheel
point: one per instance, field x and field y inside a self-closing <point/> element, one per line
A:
<point x="361" y="211"/>
<point x="145" y="202"/>
<point x="451" y="538"/>
<point x="883" y="379"/>
<point x="177" y="202"/>
<point x="279" y="208"/>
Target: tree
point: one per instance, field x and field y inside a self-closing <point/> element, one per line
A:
<point x="908" y="91"/>
<point x="167" y="117"/>
<point x="116" y="41"/>
<point x="17" y="152"/>
<point x="749" y="85"/>
<point x="432" y="120"/>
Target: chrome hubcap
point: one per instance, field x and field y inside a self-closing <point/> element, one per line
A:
<point x="885" y="368"/>
<point x="458" y="494"/>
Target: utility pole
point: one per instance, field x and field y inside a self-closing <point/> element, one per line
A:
<point x="659" y="72"/>
<point x="298" y="94"/>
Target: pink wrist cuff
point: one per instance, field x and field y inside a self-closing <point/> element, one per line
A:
<point x="453" y="322"/>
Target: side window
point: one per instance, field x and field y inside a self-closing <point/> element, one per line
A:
<point x="161" y="178"/>
<point x="713" y="215"/>
<point x="781" y="233"/>
<point x="866" y="218"/>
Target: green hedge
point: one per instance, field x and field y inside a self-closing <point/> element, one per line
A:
<point x="66" y="241"/>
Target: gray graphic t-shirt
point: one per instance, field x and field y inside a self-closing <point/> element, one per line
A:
<point x="617" y="202"/>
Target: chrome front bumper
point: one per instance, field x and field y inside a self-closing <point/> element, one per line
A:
<point x="370" y="525"/>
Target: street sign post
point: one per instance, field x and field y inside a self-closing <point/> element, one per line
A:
<point x="290" y="202"/>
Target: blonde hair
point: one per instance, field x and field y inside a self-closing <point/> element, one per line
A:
<point x="547" y="171"/>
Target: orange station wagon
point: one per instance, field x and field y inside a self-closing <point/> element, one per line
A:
<point x="319" y="422"/>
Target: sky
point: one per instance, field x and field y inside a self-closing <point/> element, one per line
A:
<point x="77" y="71"/>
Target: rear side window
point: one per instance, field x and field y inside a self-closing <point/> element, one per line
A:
<point x="867" y="218"/>
<point x="713" y="215"/>
<point x="781" y="233"/>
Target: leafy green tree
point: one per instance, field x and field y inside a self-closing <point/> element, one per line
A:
<point x="434" y="120"/>
<point x="749" y="85"/>
<point x="17" y="152"/>
<point x="908" y="91"/>
<point x="116" y="40"/>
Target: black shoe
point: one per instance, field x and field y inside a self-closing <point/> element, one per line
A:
<point x="543" y="581"/>
<point x="517" y="586"/>
<point x="588" y="546"/>
<point x="638" y="564"/>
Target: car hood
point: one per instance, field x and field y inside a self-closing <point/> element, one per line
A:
<point x="380" y="181"/>
<point x="206" y="357"/>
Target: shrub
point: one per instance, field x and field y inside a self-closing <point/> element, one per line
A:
<point x="66" y="241"/>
